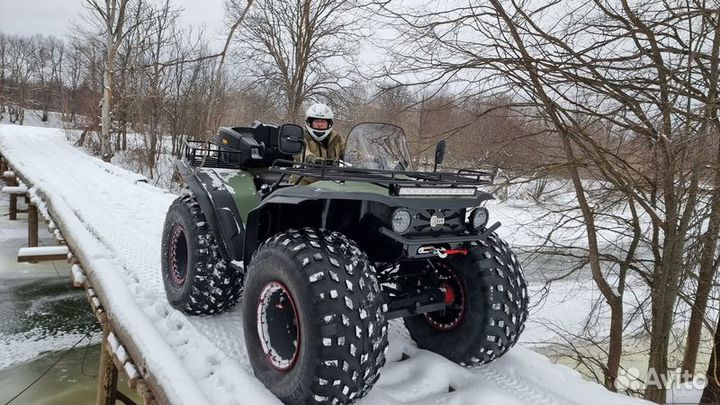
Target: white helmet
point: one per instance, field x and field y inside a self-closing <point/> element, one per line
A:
<point x="319" y="111"/>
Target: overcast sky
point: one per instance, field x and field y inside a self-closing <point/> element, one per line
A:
<point x="53" y="17"/>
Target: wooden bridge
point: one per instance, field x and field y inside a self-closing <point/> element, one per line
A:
<point x="115" y="357"/>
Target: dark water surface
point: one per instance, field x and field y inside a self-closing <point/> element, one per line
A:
<point x="49" y="338"/>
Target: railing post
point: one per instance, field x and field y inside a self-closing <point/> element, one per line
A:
<point x="32" y="225"/>
<point x="108" y="376"/>
<point x="13" y="207"/>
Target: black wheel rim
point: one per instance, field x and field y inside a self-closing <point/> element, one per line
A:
<point x="278" y="326"/>
<point x="455" y="299"/>
<point x="178" y="256"/>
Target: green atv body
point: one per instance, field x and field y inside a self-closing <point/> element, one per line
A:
<point x="322" y="267"/>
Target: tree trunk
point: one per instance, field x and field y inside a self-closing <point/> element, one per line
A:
<point x="615" y="344"/>
<point x="613" y="300"/>
<point x="711" y="393"/>
<point x="664" y="294"/>
<point x="114" y="19"/>
<point x="105" y="146"/>
<point x="81" y="141"/>
<point x="705" y="279"/>
<point x="152" y="154"/>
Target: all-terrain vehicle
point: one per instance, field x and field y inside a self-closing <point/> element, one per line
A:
<point x="323" y="267"/>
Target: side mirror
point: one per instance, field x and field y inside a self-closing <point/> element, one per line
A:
<point x="440" y="153"/>
<point x="291" y="139"/>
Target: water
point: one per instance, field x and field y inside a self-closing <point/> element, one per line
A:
<point x="73" y="380"/>
<point x="42" y="317"/>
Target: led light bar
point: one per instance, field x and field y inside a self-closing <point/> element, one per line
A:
<point x="436" y="191"/>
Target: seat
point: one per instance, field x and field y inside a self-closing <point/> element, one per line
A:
<point x="262" y="141"/>
<point x="267" y="135"/>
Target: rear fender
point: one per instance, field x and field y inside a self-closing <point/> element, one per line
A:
<point x="219" y="208"/>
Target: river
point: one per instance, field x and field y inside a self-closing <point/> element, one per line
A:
<point x="49" y="338"/>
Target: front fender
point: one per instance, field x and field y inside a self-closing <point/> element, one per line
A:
<point x="219" y="208"/>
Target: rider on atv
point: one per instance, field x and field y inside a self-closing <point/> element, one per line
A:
<point x="322" y="144"/>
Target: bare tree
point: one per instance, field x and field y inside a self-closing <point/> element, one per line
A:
<point x="708" y="264"/>
<point x="189" y="92"/>
<point x="236" y="14"/>
<point x="711" y="393"/>
<point x="303" y="48"/>
<point x="49" y="56"/>
<point x="596" y="68"/>
<point x="3" y="69"/>
<point x="22" y="62"/>
<point x="111" y="13"/>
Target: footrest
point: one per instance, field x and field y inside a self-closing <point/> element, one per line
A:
<point x="42" y="254"/>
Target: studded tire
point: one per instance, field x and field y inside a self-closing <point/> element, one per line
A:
<point x="492" y="310"/>
<point x="341" y="335"/>
<point x="198" y="281"/>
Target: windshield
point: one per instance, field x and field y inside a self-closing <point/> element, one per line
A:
<point x="373" y="145"/>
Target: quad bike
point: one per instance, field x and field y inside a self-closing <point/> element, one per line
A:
<point x="323" y="267"/>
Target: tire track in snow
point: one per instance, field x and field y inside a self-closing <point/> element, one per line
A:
<point x="406" y="378"/>
<point x="413" y="375"/>
<point x="521" y="388"/>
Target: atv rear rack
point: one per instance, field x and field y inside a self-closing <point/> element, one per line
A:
<point x="462" y="179"/>
<point x="210" y="154"/>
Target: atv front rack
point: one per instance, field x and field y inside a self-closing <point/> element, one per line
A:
<point x="462" y="179"/>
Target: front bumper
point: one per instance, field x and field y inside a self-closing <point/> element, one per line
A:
<point x="411" y="244"/>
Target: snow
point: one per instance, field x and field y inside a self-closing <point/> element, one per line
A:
<point x="14" y="190"/>
<point x="34" y="118"/>
<point x="521" y="376"/>
<point x="113" y="342"/>
<point x="122" y="355"/>
<point x="116" y="220"/>
<point x="78" y="276"/>
<point x="131" y="371"/>
<point x="684" y="395"/>
<point x="20" y="348"/>
<point x="43" y="251"/>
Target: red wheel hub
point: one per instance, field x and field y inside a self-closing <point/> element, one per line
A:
<point x="449" y="294"/>
<point x="455" y="298"/>
<point x="278" y="326"/>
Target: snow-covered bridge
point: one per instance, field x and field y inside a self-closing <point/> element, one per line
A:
<point x="112" y="222"/>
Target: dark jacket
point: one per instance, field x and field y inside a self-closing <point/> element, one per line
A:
<point x="317" y="151"/>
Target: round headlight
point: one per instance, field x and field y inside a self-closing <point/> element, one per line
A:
<point x="479" y="218"/>
<point x="401" y="220"/>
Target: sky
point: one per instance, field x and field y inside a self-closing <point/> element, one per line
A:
<point x="54" y="17"/>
